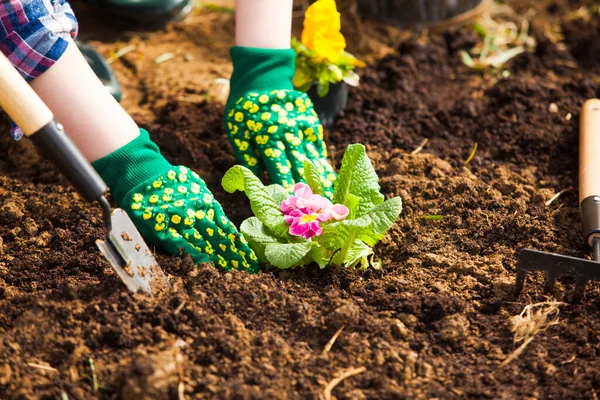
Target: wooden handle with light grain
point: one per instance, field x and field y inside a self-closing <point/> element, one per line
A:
<point x="589" y="150"/>
<point x="589" y="170"/>
<point x="35" y="119"/>
<point x="19" y="100"/>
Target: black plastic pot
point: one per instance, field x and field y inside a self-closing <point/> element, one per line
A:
<point x="332" y="104"/>
<point x="146" y="11"/>
<point x="419" y="12"/>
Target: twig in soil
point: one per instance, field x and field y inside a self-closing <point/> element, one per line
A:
<point x="63" y="396"/>
<point x="180" y="373"/>
<point x="42" y="367"/>
<point x="468" y="160"/>
<point x="569" y="361"/>
<point x="331" y="342"/>
<point x="394" y="353"/>
<point x="331" y="385"/>
<point x="534" y="318"/>
<point x="120" y="53"/>
<point x="94" y="377"/>
<point x="179" y="308"/>
<point x="164" y="58"/>
<point x="421" y="146"/>
<point x="557" y="195"/>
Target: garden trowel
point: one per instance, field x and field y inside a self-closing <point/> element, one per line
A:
<point x="555" y="265"/>
<point x="123" y="247"/>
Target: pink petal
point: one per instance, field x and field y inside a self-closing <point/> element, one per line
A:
<point x="315" y="203"/>
<point x="302" y="190"/>
<point x="299" y="229"/>
<point x="288" y="205"/>
<point x="315" y="228"/>
<point x="339" y="212"/>
<point x="324" y="217"/>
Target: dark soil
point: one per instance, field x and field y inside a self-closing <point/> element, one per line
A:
<point x="433" y="323"/>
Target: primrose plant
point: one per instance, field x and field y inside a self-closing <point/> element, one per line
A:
<point x="290" y="230"/>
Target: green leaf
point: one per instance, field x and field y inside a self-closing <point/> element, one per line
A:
<point x="352" y="202"/>
<point x="319" y="255"/>
<point x="480" y="29"/>
<point x="286" y="255"/>
<point x="368" y="229"/>
<point x="466" y="59"/>
<point x="277" y="193"/>
<point x="358" y="253"/>
<point x="357" y="177"/>
<point x="339" y="234"/>
<point x="312" y="177"/>
<point x="385" y="215"/>
<point x="322" y="89"/>
<point x="263" y="205"/>
<point x="258" y="236"/>
<point x="503" y="57"/>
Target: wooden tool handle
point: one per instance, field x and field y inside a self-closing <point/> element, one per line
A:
<point x="589" y="150"/>
<point x="589" y="170"/>
<point x="19" y="100"/>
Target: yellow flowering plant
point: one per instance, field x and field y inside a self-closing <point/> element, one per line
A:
<point x="321" y="58"/>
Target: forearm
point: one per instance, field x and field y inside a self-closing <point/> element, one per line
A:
<point x="92" y="117"/>
<point x="264" y="23"/>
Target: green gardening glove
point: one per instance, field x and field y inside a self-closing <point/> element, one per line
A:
<point x="270" y="124"/>
<point x="172" y="207"/>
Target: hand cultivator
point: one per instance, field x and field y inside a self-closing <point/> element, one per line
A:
<point x="123" y="247"/>
<point x="555" y="265"/>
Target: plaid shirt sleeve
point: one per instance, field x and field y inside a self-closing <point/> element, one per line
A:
<point x="33" y="35"/>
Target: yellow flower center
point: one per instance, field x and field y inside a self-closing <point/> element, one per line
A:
<point x="308" y="218"/>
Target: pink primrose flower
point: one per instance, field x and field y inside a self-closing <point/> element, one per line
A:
<point x="304" y="211"/>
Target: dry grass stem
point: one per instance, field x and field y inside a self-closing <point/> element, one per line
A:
<point x="468" y="160"/>
<point x="42" y="367"/>
<point x="94" y="377"/>
<point x="345" y="375"/>
<point x="534" y="318"/>
<point x="421" y="146"/>
<point x="179" y="308"/>
<point x="164" y="58"/>
<point x="557" y="195"/>
<point x="120" y="53"/>
<point x="331" y="342"/>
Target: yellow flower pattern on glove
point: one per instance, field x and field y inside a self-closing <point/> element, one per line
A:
<point x="177" y="211"/>
<point x="283" y="130"/>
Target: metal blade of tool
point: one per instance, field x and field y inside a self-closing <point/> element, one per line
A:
<point x="130" y="257"/>
<point x="555" y="265"/>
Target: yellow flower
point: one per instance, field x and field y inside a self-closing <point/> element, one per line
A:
<point x="323" y="13"/>
<point x="328" y="44"/>
<point x="322" y="24"/>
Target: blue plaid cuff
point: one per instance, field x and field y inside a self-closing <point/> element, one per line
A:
<point x="33" y="35"/>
